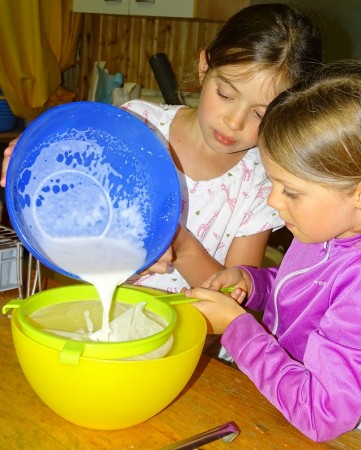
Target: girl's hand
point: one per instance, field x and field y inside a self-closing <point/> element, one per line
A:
<point x="161" y="266"/>
<point x="7" y="154"/>
<point x="233" y="277"/>
<point x="218" y="309"/>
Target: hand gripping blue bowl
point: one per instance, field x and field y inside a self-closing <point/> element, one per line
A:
<point x="89" y="161"/>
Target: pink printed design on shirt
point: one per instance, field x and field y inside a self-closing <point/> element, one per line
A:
<point x="140" y="281"/>
<point x="231" y="201"/>
<point x="194" y="188"/>
<point x="263" y="192"/>
<point x="266" y="226"/>
<point x="218" y="238"/>
<point x="216" y="235"/>
<point x="246" y="172"/>
<point x="145" y="114"/>
<point x="220" y="245"/>
<point x="202" y="230"/>
<point x="246" y="218"/>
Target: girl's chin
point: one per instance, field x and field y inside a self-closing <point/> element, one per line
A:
<point x="292" y="229"/>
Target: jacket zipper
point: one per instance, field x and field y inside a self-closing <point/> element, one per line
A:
<point x="327" y="247"/>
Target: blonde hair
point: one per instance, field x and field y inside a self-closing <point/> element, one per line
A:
<point x="314" y="129"/>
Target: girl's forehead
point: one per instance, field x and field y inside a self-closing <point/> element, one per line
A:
<point x="269" y="79"/>
<point x="277" y="173"/>
<point x="272" y="168"/>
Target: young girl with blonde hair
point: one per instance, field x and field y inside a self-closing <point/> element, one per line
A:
<point x="306" y="355"/>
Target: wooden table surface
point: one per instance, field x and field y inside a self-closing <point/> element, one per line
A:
<point x="215" y="394"/>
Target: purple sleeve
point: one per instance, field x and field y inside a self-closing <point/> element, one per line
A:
<point x="263" y="281"/>
<point x="321" y="396"/>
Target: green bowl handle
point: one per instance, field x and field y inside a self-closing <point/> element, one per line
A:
<point x="12" y="304"/>
<point x="71" y="352"/>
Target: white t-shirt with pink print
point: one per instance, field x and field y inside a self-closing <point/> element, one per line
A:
<point x="216" y="210"/>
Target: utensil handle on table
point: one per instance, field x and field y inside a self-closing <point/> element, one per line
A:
<point x="175" y="299"/>
<point x="227" y="431"/>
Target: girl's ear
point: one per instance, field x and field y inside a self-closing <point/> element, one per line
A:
<point x="358" y="196"/>
<point x="202" y="66"/>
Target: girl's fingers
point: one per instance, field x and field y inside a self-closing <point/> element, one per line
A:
<point x="204" y="294"/>
<point x="7" y="154"/>
<point x="239" y="295"/>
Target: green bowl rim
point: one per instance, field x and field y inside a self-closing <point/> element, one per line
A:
<point x="98" y="350"/>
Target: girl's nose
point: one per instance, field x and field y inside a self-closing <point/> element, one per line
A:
<point x="236" y="119"/>
<point x="274" y="200"/>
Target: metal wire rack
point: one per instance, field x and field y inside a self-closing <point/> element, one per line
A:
<point x="12" y="257"/>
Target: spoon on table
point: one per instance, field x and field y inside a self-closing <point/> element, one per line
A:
<point x="228" y="431"/>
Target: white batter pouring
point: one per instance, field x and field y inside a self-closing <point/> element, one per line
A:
<point x="101" y="261"/>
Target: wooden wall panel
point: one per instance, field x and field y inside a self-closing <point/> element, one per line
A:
<point x="127" y="42"/>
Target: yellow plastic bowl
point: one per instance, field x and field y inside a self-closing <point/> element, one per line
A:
<point x="110" y="394"/>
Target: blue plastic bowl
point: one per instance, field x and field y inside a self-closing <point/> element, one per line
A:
<point x="79" y="155"/>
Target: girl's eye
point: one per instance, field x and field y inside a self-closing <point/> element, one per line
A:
<point x="289" y="194"/>
<point x="219" y="93"/>
<point x="258" y="115"/>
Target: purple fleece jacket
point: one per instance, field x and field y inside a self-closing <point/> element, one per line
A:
<point x="306" y="359"/>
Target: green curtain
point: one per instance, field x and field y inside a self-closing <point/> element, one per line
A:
<point x="38" y="41"/>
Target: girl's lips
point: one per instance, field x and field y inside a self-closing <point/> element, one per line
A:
<point x="224" y="140"/>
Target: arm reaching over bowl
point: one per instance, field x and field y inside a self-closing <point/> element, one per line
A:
<point x="161" y="266"/>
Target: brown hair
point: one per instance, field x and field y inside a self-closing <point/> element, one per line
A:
<point x="314" y="130"/>
<point x="273" y="37"/>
